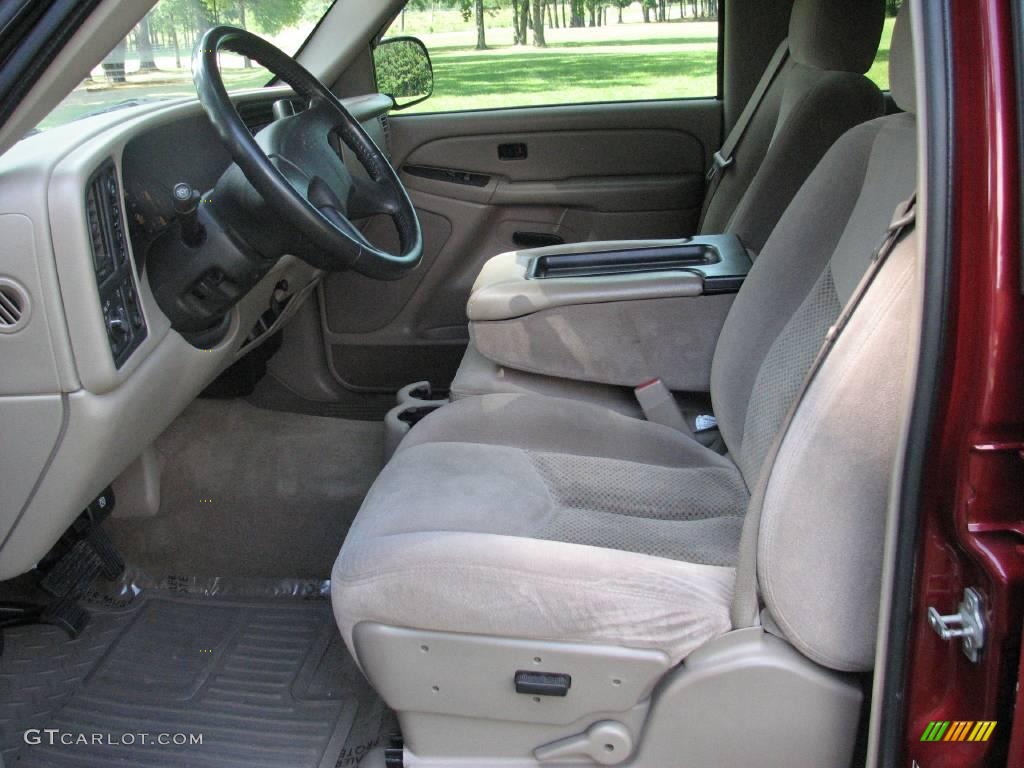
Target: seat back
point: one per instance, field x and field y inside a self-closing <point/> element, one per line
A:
<point x="820" y="93"/>
<point x="815" y="543"/>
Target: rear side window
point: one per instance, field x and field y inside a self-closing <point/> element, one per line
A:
<point x="513" y="53"/>
<point x="879" y="72"/>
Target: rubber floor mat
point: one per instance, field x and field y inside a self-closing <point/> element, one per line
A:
<point x="211" y="684"/>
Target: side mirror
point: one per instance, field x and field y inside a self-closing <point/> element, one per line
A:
<point x="404" y="71"/>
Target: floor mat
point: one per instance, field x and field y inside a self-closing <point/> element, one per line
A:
<point x="252" y="493"/>
<point x="262" y="683"/>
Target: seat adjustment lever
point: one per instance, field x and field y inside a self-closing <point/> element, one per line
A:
<point x="606" y="742"/>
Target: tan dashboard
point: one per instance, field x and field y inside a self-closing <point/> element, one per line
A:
<point x="92" y="372"/>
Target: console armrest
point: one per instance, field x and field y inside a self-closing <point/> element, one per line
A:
<point x="616" y="312"/>
<point x="522" y="282"/>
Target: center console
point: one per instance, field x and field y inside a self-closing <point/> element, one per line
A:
<point x="721" y="260"/>
<point x="617" y="313"/>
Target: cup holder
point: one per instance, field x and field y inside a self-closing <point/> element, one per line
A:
<point x="403" y="417"/>
<point x="426" y="393"/>
<point x="420" y="392"/>
<point x="414" y="413"/>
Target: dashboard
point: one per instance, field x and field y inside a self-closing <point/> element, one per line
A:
<point x="93" y="371"/>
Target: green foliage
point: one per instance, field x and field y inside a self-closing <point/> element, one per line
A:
<point x="403" y="71"/>
<point x="267" y="16"/>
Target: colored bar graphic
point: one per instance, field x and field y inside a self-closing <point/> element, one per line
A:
<point x="959" y="730"/>
<point x="983" y="730"/>
<point x="935" y="730"/>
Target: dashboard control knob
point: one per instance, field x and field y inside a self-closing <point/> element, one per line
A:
<point x="117" y="326"/>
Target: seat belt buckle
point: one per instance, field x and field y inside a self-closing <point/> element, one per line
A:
<point x="659" y="406"/>
<point x="705" y="422"/>
<point x="718" y="164"/>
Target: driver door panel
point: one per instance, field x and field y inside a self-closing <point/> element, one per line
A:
<point x="492" y="181"/>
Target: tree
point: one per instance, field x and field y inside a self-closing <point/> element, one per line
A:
<point x="515" y="23"/>
<point x="144" y="45"/>
<point x="267" y="16"/>
<point x="481" y="40"/>
<point x="113" y="64"/>
<point x="577" y="8"/>
<point x="537" y="12"/>
<point x="247" y="62"/>
<point x="402" y="70"/>
<point x="475" y="8"/>
<point x="201" y="17"/>
<point x="524" y="20"/>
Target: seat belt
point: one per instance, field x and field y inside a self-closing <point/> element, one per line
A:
<point x="723" y="158"/>
<point x="746" y="605"/>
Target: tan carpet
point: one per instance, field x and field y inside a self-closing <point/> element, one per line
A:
<point x="252" y="492"/>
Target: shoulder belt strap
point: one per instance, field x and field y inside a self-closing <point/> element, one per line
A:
<point x="723" y="158"/>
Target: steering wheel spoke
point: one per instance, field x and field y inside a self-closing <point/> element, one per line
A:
<point x="370" y="198"/>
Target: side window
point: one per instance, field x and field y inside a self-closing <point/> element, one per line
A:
<point x="488" y="54"/>
<point x="879" y="72"/>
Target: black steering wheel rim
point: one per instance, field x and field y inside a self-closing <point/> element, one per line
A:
<point x="319" y="212"/>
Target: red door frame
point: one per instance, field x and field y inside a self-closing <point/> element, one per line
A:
<point x="972" y="513"/>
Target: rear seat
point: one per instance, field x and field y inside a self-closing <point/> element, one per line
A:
<point x="816" y="94"/>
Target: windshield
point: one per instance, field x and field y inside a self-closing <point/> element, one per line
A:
<point x="154" y="61"/>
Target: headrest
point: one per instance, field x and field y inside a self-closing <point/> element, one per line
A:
<point x="901" y="63"/>
<point x="836" y="34"/>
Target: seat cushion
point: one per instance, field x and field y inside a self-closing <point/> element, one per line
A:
<point x="533" y="517"/>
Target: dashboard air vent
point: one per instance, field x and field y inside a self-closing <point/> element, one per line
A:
<point x="105" y="233"/>
<point x="115" y="278"/>
<point x="385" y="125"/>
<point x="13" y="306"/>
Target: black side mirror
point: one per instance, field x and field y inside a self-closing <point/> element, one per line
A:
<point x="404" y="71"/>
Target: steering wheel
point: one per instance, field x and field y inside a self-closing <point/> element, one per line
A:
<point x="299" y="173"/>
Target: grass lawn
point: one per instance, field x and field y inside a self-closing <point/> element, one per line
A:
<point x="616" y="62"/>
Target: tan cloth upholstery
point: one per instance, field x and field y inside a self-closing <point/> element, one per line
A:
<point x="538" y="517"/>
<point x="611" y="529"/>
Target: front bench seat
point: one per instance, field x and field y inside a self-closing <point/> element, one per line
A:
<point x="819" y="94"/>
<point x="511" y="527"/>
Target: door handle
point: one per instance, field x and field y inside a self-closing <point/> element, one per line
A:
<point x="513" y="151"/>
